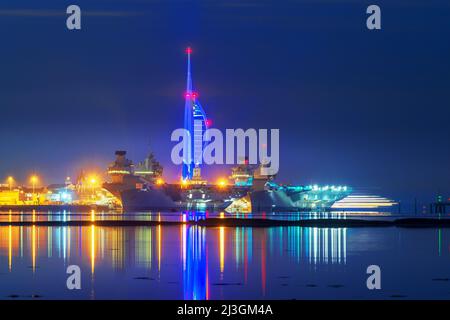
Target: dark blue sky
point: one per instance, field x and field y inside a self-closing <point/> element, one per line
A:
<point x="357" y="107"/>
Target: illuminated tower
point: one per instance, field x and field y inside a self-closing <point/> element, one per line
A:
<point x="195" y="123"/>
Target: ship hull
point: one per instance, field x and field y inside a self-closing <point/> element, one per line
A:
<point x="281" y="201"/>
<point x="155" y="199"/>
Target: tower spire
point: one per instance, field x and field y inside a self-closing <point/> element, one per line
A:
<point x="195" y="123"/>
<point x="187" y="169"/>
<point x="189" y="76"/>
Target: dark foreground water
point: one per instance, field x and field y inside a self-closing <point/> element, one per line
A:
<point x="192" y="262"/>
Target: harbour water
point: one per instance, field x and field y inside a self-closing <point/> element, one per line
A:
<point x="194" y="262"/>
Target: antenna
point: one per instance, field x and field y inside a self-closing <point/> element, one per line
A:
<point x="189" y="77"/>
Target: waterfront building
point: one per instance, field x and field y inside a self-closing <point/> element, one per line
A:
<point x="9" y="197"/>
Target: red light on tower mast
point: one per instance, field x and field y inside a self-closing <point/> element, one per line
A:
<point x="191" y="95"/>
<point x="188" y="50"/>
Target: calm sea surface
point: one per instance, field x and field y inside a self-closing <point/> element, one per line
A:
<point x="192" y="262"/>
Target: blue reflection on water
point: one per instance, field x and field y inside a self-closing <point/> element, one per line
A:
<point x="193" y="262"/>
<point x="198" y="215"/>
<point x="195" y="266"/>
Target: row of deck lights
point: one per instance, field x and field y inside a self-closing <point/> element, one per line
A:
<point x="325" y="188"/>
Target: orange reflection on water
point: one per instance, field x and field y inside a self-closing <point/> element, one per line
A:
<point x="159" y="247"/>
<point x="222" y="248"/>
<point x="10" y="243"/>
<point x="33" y="248"/>
<point x="200" y="255"/>
<point x="10" y="248"/>
<point x="92" y="249"/>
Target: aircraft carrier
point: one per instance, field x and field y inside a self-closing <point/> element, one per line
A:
<point x="141" y="187"/>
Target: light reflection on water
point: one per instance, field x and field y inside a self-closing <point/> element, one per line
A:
<point x="194" y="262"/>
<point x="16" y="216"/>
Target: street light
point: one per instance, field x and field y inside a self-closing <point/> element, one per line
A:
<point x="184" y="182"/>
<point x="222" y="183"/>
<point x="93" y="181"/>
<point x="10" y="182"/>
<point x="34" y="179"/>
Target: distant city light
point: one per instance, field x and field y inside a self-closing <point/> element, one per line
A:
<point x="10" y="182"/>
<point x="183" y="182"/>
<point x="65" y="197"/>
<point x="222" y="182"/>
<point x="34" y="179"/>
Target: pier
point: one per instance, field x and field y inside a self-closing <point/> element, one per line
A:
<point x="54" y="208"/>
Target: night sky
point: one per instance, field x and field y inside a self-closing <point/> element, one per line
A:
<point x="370" y="109"/>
